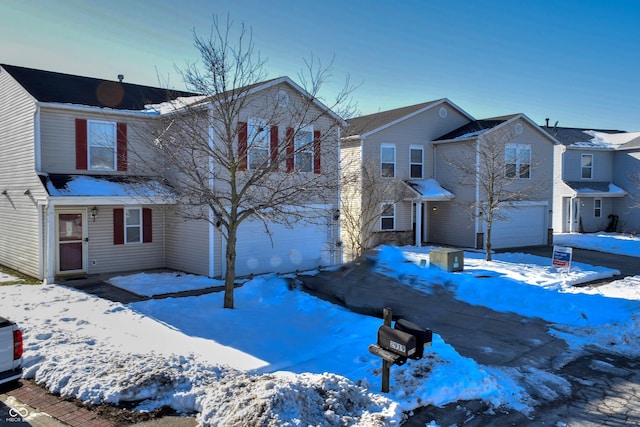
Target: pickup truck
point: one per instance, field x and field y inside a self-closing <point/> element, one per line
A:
<point x="10" y="352"/>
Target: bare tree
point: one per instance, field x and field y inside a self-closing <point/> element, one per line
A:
<point x="363" y="194"/>
<point x="496" y="170"/>
<point x="225" y="169"/>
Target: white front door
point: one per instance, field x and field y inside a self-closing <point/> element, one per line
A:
<point x="572" y="214"/>
<point x="70" y="242"/>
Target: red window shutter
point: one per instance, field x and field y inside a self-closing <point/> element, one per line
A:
<point x="121" y="144"/>
<point x="290" y="150"/>
<point x="316" y="151"/>
<point x="118" y="226"/>
<point x="81" y="144"/>
<point x="147" y="230"/>
<point x="243" y="138"/>
<point x="274" y="148"/>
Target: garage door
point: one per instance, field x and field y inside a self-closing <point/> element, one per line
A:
<point x="522" y="226"/>
<point x="281" y="249"/>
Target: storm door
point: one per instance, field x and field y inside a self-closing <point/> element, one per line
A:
<point x="70" y="235"/>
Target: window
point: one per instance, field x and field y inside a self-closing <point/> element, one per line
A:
<point x="304" y="150"/>
<point x="597" y="208"/>
<point x="388" y="160"/>
<point x="101" y="142"/>
<point x="586" y="163"/>
<point x="517" y="160"/>
<point x="133" y="225"/>
<point x="259" y="138"/>
<point x="416" y="160"/>
<point x="387" y="216"/>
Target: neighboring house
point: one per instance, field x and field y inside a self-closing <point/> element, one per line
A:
<point x="75" y="201"/>
<point x="595" y="188"/>
<point x="524" y="159"/>
<point x="413" y="144"/>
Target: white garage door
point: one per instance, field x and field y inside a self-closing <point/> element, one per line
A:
<point x="283" y="249"/>
<point x="522" y="226"/>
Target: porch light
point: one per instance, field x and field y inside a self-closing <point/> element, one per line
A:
<point x="435" y="208"/>
<point x="94" y="213"/>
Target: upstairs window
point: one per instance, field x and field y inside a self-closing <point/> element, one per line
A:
<point x="416" y="160"/>
<point x="586" y="163"/>
<point x="259" y="144"/>
<point x="388" y="160"/>
<point x="517" y="160"/>
<point x="388" y="217"/>
<point x="101" y="144"/>
<point x="303" y="146"/>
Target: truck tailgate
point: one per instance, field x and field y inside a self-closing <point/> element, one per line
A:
<point x="6" y="345"/>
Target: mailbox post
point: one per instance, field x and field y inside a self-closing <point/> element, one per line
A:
<point x="395" y="345"/>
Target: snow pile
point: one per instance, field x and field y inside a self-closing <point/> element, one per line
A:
<point x="283" y="357"/>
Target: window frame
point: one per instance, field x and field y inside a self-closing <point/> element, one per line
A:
<point x="91" y="145"/>
<point x="393" y="164"/>
<point x="519" y="164"/>
<point x="583" y="167"/>
<point x="258" y="139"/>
<point x="383" y="207"/>
<point x="412" y="163"/>
<point x="127" y="226"/>
<point x="298" y="151"/>
<point x="597" y="207"/>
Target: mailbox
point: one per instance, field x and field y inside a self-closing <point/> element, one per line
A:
<point x="397" y="341"/>
<point x="423" y="336"/>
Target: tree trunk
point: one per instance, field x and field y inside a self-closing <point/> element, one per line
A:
<point x="487" y="241"/>
<point x="230" y="271"/>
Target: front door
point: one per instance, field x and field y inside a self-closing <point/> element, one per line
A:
<point x="71" y="237"/>
<point x="572" y="214"/>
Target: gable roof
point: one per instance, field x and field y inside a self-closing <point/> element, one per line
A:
<point x="50" y="86"/>
<point x="365" y="125"/>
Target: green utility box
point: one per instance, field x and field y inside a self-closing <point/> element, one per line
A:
<point x="447" y="259"/>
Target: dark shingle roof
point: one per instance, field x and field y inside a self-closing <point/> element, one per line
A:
<point x="49" y="86"/>
<point x="568" y="136"/>
<point x="474" y="127"/>
<point x="364" y="124"/>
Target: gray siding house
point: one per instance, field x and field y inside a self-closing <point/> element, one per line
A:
<point x="416" y="145"/>
<point x="75" y="201"/>
<point x="597" y="186"/>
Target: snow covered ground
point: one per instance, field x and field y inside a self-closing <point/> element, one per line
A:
<point x="283" y="357"/>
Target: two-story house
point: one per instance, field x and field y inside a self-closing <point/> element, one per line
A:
<point x="595" y="180"/>
<point x="69" y="202"/>
<point x="416" y="145"/>
<point x="510" y="154"/>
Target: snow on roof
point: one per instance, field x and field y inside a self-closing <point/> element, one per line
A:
<point x="606" y="140"/>
<point x="430" y="189"/>
<point x="84" y="185"/>
<point x="177" y="104"/>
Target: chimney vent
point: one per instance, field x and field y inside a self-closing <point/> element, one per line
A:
<point x="121" y="78"/>
<point x="547" y="119"/>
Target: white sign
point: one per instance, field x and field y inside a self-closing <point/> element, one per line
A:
<point x="562" y="257"/>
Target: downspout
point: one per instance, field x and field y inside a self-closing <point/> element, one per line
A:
<point x="337" y="246"/>
<point x="212" y="234"/>
<point x="479" y="223"/>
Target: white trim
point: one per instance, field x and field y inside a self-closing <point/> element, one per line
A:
<point x="101" y="110"/>
<point x="108" y="200"/>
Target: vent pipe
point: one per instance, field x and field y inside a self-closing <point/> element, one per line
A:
<point x="121" y="78"/>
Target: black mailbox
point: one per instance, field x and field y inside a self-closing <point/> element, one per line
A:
<point x="397" y="341"/>
<point x="423" y="336"/>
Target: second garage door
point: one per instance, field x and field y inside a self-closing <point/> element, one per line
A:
<point x="524" y="225"/>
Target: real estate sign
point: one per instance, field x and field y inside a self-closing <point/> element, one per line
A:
<point x="562" y="257"/>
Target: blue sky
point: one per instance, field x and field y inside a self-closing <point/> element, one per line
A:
<point x="574" y="61"/>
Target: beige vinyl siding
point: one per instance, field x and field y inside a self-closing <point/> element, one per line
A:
<point x="127" y="257"/>
<point x="58" y="140"/>
<point x="20" y="225"/>
<point x="188" y="246"/>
